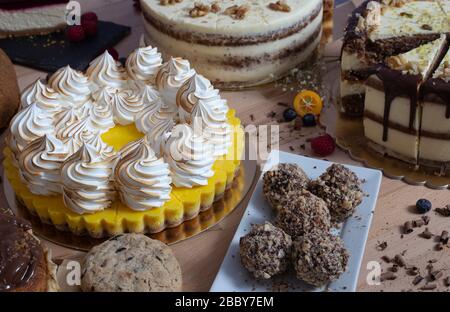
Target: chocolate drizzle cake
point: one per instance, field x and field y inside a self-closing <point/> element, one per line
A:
<point x="389" y="65"/>
<point x="381" y="28"/>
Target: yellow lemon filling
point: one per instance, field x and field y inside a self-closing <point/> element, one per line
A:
<point x="184" y="203"/>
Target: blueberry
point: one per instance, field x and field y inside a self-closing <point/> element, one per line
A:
<point x="423" y="205"/>
<point x="309" y="120"/>
<point x="289" y="114"/>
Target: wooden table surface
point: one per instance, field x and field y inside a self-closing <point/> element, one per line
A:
<point x="201" y="256"/>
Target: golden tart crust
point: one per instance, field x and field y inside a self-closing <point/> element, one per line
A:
<point x="184" y="204"/>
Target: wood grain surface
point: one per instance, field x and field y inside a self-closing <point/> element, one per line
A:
<point x="201" y="256"/>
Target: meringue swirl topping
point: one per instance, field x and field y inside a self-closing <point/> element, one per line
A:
<point x="105" y="72"/>
<point x="202" y="107"/>
<point x="170" y="77"/>
<point x="40" y="165"/>
<point x="189" y="157"/>
<point x="43" y="95"/>
<point x="73" y="86"/>
<point x="143" y="64"/>
<point x="143" y="180"/>
<point x="86" y="180"/>
<point x="28" y="125"/>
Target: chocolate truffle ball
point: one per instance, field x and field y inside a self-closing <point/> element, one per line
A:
<point x="265" y="251"/>
<point x="281" y="180"/>
<point x="302" y="213"/>
<point x="341" y="190"/>
<point x="319" y="258"/>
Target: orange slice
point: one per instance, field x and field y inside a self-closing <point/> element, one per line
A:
<point x="308" y="102"/>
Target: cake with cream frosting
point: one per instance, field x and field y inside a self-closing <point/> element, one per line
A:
<point x="392" y="64"/>
<point x="31" y="17"/>
<point x="132" y="148"/>
<point x="237" y="43"/>
<point x="382" y="28"/>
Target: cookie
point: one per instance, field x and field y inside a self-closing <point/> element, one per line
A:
<point x="131" y="262"/>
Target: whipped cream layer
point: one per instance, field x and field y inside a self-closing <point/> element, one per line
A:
<point x="143" y="179"/>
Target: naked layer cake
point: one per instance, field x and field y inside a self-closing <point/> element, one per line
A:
<point x="236" y="43"/>
<point x="31" y="17"/>
<point x="134" y="148"/>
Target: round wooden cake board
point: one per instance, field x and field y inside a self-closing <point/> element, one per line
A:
<point x="350" y="137"/>
<point x="232" y="198"/>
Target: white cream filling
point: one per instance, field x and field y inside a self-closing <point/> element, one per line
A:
<point x="200" y="55"/>
<point x="33" y="18"/>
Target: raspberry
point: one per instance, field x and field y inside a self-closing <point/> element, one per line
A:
<point x="323" y="145"/>
<point x="75" y="33"/>
<point x="89" y="16"/>
<point x="113" y="52"/>
<point x="89" y="27"/>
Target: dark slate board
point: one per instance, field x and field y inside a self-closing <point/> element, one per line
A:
<point x="53" y="51"/>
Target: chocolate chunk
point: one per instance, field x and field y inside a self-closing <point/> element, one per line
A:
<point x="400" y="260"/>
<point x="445" y="212"/>
<point x="382" y="246"/>
<point x="408" y="227"/>
<point x="439" y="246"/>
<point x="444" y="237"/>
<point x="120" y="249"/>
<point x="386" y="259"/>
<point x="436" y="275"/>
<point x="394" y="268"/>
<point x="418" y="223"/>
<point x="417" y="280"/>
<point x="430" y="286"/>
<point x="426" y="234"/>
<point x="447" y="281"/>
<point x="413" y="270"/>
<point x="426" y="219"/>
<point x="388" y="276"/>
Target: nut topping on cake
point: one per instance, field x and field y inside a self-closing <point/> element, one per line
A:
<point x="215" y="7"/>
<point x="281" y="6"/>
<point x="199" y="10"/>
<point x="168" y="2"/>
<point x="237" y="11"/>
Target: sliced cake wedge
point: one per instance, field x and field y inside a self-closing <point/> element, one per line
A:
<point x="392" y="112"/>
<point x="435" y="130"/>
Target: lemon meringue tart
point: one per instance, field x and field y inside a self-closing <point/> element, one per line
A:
<point x="133" y="148"/>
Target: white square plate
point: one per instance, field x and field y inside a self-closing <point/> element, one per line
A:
<point x="232" y="276"/>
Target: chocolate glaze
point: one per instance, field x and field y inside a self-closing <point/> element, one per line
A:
<point x="25" y="4"/>
<point x="396" y="84"/>
<point x="437" y="91"/>
<point x="20" y="253"/>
